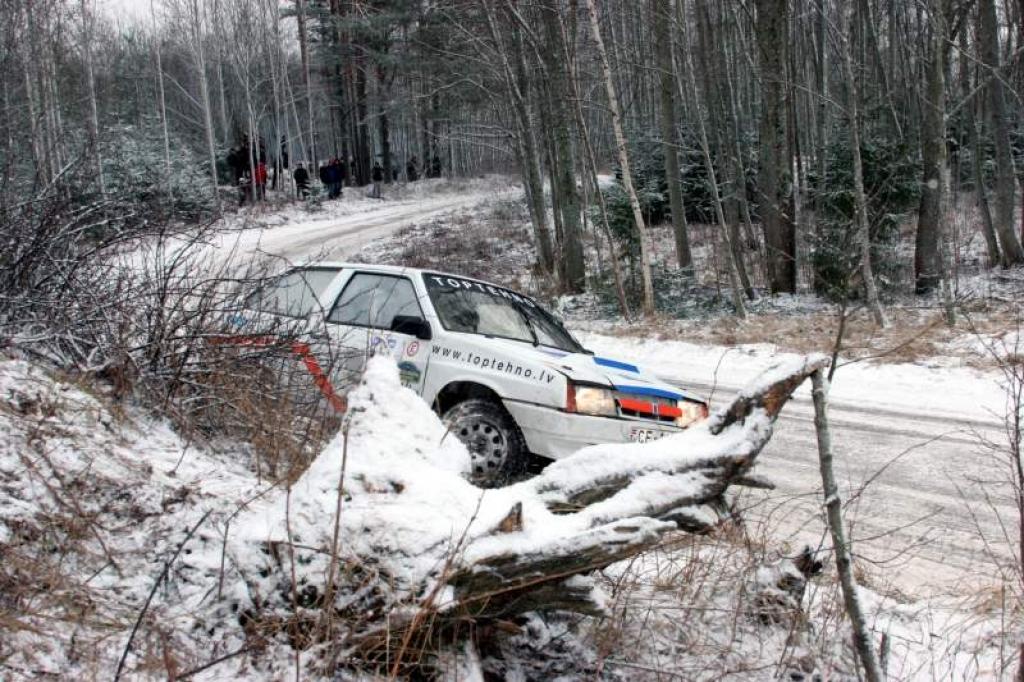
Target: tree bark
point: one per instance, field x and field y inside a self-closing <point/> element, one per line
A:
<point x="300" y="14"/>
<point x="927" y="253"/>
<point x="780" y="236"/>
<point x="860" y="197"/>
<point x="623" y="154"/>
<point x="731" y="252"/>
<point x="222" y="110"/>
<point x="163" y="108"/>
<point x="721" y="116"/>
<point x="581" y="123"/>
<point x="385" y="144"/>
<point x="661" y="16"/>
<point x="844" y="555"/>
<point x="971" y="117"/>
<point x="823" y="106"/>
<point x="988" y="36"/>
<point x="363" y="159"/>
<point x="514" y="69"/>
<point x="94" y="117"/>
<point x="204" y="93"/>
<point x="563" y="173"/>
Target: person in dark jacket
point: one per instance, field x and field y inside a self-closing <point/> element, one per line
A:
<point x="435" y="166"/>
<point x="331" y="179"/>
<point x="412" y="170"/>
<point x="238" y="159"/>
<point x="337" y="177"/>
<point x="377" y="175"/>
<point x="322" y="174"/>
<point x="301" y="176"/>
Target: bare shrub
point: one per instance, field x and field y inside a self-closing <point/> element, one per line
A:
<point x="1003" y="495"/>
<point x="105" y="291"/>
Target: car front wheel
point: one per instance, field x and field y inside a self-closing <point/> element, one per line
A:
<point x="496" y="446"/>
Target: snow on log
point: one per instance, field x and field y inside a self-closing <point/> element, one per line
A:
<point x="407" y="510"/>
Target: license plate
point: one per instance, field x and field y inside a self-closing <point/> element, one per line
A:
<point x="645" y="435"/>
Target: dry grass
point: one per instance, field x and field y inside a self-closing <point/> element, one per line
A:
<point x="914" y="335"/>
<point x="99" y="521"/>
<point x="694" y="610"/>
<point x="495" y="245"/>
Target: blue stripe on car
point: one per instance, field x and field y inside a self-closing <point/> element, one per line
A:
<point x="649" y="390"/>
<point x="615" y="364"/>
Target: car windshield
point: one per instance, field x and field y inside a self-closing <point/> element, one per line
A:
<point x="472" y="307"/>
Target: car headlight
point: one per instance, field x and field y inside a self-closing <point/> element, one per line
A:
<point x="692" y="412"/>
<point x="591" y="400"/>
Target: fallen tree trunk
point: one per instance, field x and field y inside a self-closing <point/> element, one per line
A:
<point x="629" y="503"/>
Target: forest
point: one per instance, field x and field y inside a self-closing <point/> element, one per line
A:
<point x="812" y="142"/>
<point x="818" y="202"/>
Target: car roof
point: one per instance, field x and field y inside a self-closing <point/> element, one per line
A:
<point x="394" y="269"/>
<point x="357" y="266"/>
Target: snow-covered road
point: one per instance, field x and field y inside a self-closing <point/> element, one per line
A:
<point x="344" y="227"/>
<point x="923" y="515"/>
<point x="930" y="518"/>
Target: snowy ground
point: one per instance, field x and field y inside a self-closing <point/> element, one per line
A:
<point x="694" y="609"/>
<point x="932" y="552"/>
<point x="94" y="499"/>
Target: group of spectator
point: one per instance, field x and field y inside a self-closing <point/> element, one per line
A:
<point x="334" y="175"/>
<point x="412" y="168"/>
<point x="248" y="165"/>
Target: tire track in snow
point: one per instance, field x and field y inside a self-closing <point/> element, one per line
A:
<point x="344" y="236"/>
<point x="913" y="517"/>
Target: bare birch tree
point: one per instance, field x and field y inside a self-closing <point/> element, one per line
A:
<point x="623" y="155"/>
<point x="861" y="223"/>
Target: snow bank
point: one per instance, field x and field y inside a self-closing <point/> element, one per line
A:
<point x="94" y="498"/>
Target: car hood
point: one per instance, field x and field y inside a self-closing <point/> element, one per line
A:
<point x="595" y="369"/>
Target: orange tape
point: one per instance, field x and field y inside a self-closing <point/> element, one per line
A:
<point x="304" y="353"/>
<point x="649" y="408"/>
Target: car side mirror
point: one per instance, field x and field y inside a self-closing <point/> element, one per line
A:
<point x="412" y="325"/>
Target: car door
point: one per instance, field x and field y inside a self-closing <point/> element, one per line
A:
<point x="378" y="313"/>
<point x="285" y="316"/>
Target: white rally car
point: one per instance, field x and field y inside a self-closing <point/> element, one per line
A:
<point x="504" y="373"/>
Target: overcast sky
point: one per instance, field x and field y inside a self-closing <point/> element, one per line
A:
<point x="125" y="10"/>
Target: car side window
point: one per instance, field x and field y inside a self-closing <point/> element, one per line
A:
<point x="374" y="301"/>
<point x="293" y="294"/>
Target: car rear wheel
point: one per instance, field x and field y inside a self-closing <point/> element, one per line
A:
<point x="495" y="443"/>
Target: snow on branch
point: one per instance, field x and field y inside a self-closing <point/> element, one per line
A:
<point x="407" y="509"/>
